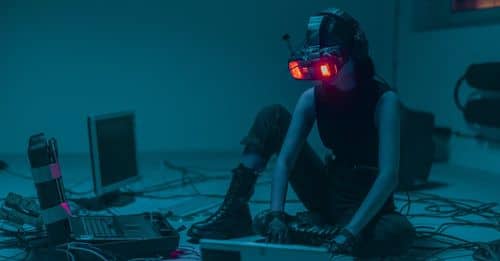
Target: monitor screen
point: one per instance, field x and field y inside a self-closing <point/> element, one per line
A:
<point x="113" y="149"/>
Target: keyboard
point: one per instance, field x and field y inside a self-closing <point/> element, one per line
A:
<point x="99" y="226"/>
<point x="130" y="236"/>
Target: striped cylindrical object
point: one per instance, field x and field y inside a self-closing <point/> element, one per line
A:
<point x="47" y="177"/>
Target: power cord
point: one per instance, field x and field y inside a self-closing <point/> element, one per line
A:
<point x="454" y="209"/>
<point x="4" y="167"/>
<point x="192" y="176"/>
<point x="435" y="207"/>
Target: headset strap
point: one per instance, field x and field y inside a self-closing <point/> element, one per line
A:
<point x="313" y="30"/>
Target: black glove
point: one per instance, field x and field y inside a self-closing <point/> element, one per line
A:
<point x="277" y="229"/>
<point x="341" y="243"/>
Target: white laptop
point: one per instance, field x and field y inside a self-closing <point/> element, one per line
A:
<point x="234" y="250"/>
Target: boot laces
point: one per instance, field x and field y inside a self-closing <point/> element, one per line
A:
<point x="230" y="200"/>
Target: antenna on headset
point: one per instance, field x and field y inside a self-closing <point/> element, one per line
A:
<point x="286" y="38"/>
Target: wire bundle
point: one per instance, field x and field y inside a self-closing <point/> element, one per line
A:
<point x="190" y="177"/>
<point x="15" y="239"/>
<point x="455" y="210"/>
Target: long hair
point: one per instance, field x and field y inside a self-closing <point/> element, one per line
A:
<point x="364" y="69"/>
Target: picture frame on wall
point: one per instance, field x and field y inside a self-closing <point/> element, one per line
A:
<point x="442" y="14"/>
<point x="473" y="5"/>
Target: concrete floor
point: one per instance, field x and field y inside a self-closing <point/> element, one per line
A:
<point x="458" y="182"/>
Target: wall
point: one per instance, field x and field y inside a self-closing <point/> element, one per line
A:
<point x="430" y="63"/>
<point x="195" y="72"/>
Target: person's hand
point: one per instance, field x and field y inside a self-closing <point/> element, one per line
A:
<point x="277" y="230"/>
<point x="341" y="243"/>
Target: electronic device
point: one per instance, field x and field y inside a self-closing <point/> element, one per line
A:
<point x="416" y="149"/>
<point x="130" y="236"/>
<point x="22" y="204"/>
<point x="315" y="68"/>
<point x="488" y="251"/>
<point x="322" y="57"/>
<point x="144" y="235"/>
<point x="20" y="218"/>
<point x="46" y="173"/>
<point x="481" y="108"/>
<point x="233" y="250"/>
<point x="113" y="157"/>
<point x="20" y="210"/>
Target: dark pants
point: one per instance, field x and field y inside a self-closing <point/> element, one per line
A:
<point x="332" y="190"/>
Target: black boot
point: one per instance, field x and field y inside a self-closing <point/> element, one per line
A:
<point x="233" y="218"/>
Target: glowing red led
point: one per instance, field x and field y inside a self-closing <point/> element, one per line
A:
<point x="325" y="70"/>
<point x="295" y="71"/>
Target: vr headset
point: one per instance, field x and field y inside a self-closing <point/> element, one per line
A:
<point x="324" y="56"/>
<point x="316" y="65"/>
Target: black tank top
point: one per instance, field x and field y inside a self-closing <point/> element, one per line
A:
<point x="346" y="122"/>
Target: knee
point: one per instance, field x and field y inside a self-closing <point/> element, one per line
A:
<point x="392" y="235"/>
<point x="397" y="232"/>
<point x="276" y="115"/>
<point x="268" y="130"/>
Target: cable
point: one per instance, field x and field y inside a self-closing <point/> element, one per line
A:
<point x="177" y="183"/>
<point x="189" y="177"/>
<point x="89" y="248"/>
<point x="147" y="259"/>
<point x="489" y="251"/>
<point x="456" y="93"/>
<point x="95" y="253"/>
<point x="441" y="207"/>
<point x="436" y="206"/>
<point x="478" y="136"/>
<point x="182" y="252"/>
<point x="256" y="201"/>
<point x="17" y="174"/>
<point x="13" y="257"/>
<point x="190" y="248"/>
<point x="68" y="253"/>
<point x="170" y="165"/>
<point x="189" y="252"/>
<point x="77" y="193"/>
<point x="406" y="205"/>
<point x="110" y="211"/>
<point x="409" y="204"/>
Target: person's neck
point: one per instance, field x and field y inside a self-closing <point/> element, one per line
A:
<point x="347" y="86"/>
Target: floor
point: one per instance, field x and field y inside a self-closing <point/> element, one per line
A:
<point x="456" y="182"/>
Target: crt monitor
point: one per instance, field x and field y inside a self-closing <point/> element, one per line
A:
<point x="113" y="153"/>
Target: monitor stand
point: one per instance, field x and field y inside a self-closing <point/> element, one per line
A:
<point x="108" y="200"/>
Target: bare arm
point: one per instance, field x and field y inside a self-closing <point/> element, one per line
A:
<point x="303" y="119"/>
<point x="388" y="121"/>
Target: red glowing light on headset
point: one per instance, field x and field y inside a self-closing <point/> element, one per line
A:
<point x="316" y="71"/>
<point x="295" y="71"/>
<point x="325" y="70"/>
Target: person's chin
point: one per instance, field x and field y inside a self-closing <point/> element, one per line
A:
<point x="329" y="83"/>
